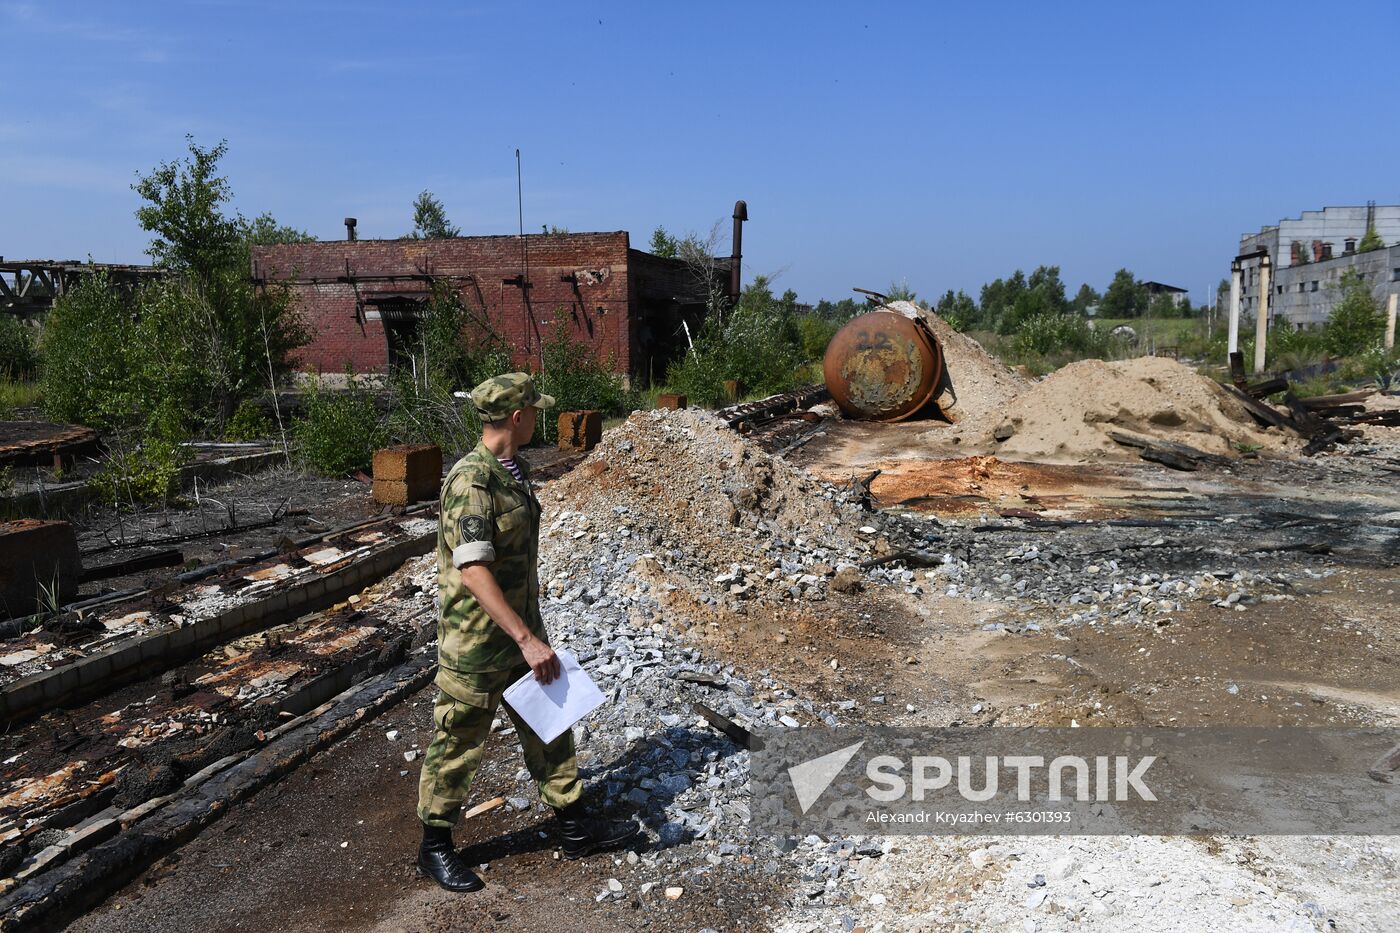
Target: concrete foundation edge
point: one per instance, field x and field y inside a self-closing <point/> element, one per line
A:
<point x="62" y="894"/>
<point x="147" y="654"/>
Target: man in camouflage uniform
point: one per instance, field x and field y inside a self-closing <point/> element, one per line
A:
<point x="490" y="634"/>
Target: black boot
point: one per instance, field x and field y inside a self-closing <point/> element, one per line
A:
<point x="438" y="860"/>
<point x="580" y="834"/>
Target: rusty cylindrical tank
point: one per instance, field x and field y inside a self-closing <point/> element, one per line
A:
<point x="883" y="366"/>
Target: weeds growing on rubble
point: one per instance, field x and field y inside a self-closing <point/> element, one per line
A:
<point x="18" y="395"/>
<point x="338" y="431"/>
<point x="19" y="350"/>
<point x="756" y="342"/>
<point x="578" y="380"/>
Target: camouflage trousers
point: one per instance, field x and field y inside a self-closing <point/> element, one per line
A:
<point x="466" y="704"/>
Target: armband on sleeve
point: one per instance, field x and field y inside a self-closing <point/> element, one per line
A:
<point x="468" y="514"/>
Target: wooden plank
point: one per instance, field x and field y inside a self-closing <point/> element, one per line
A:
<point x="741" y="736"/>
<point x="1321" y="434"/>
<point x="1263" y="413"/>
<point x="1333" y="401"/>
<point x="1237" y="368"/>
<point x="1170" y="459"/>
<point x="1169" y="453"/>
<point x="1268" y="387"/>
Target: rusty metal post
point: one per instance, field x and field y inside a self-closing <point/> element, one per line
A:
<point x="741" y="214"/>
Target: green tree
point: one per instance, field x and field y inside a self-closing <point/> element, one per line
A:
<point x="264" y="230"/>
<point x="664" y="245"/>
<point x="958" y="310"/>
<point x="19" y="352"/>
<point x="1371" y="241"/>
<point x="457" y="348"/>
<point x="1356" y="322"/>
<point x="243" y="336"/>
<point x="839" y="311"/>
<point x="240" y="337"/>
<point x="999" y="297"/>
<point x="1124" y="297"/>
<point x="900" y="291"/>
<point x="1164" y="305"/>
<point x="184" y="212"/>
<point x="1084" y="299"/>
<point x="430" y="219"/>
<point x="1043" y="295"/>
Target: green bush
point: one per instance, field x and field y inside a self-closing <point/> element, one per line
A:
<point x="1374" y="365"/>
<point x="238" y="336"/>
<point x="458" y="350"/>
<point x="578" y="380"/>
<point x="1356" y="323"/>
<point x="1045" y="334"/>
<point x="91" y="371"/>
<point x="757" y="342"/>
<point x="249" y="423"/>
<point x="147" y="472"/>
<point x="814" y="334"/>
<point x="339" y="431"/>
<point x="143" y="465"/>
<point x="19" y="351"/>
<point x="428" y="413"/>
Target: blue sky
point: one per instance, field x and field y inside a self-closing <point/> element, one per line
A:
<point x="938" y="144"/>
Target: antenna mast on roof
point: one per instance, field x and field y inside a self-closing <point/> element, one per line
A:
<point x="524" y="257"/>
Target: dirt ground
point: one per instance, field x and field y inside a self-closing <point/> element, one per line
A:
<point x="331" y="846"/>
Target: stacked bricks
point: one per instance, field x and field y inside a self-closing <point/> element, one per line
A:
<point x="39" y="564"/>
<point x="670" y="400"/>
<point x="407" y="474"/>
<point x="580" y="430"/>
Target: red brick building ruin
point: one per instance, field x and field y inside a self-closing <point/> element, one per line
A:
<point x="364" y="299"/>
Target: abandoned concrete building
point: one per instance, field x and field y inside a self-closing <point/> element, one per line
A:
<point x="1300" y="261"/>
<point x="365" y="300"/>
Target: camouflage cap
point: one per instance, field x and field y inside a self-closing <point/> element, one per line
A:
<point x="498" y="396"/>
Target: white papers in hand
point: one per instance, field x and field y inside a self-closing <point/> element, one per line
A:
<point x="551" y="708"/>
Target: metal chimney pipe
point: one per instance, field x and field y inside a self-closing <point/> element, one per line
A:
<point x="741" y="214"/>
<point x="350" y="229"/>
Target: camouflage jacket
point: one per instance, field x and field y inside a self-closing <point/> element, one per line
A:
<point x="486" y="515"/>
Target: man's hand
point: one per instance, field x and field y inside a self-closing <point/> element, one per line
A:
<point x="542" y="659"/>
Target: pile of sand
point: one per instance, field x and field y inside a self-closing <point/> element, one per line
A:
<point x="1071" y="412"/>
<point x="977" y="387"/>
